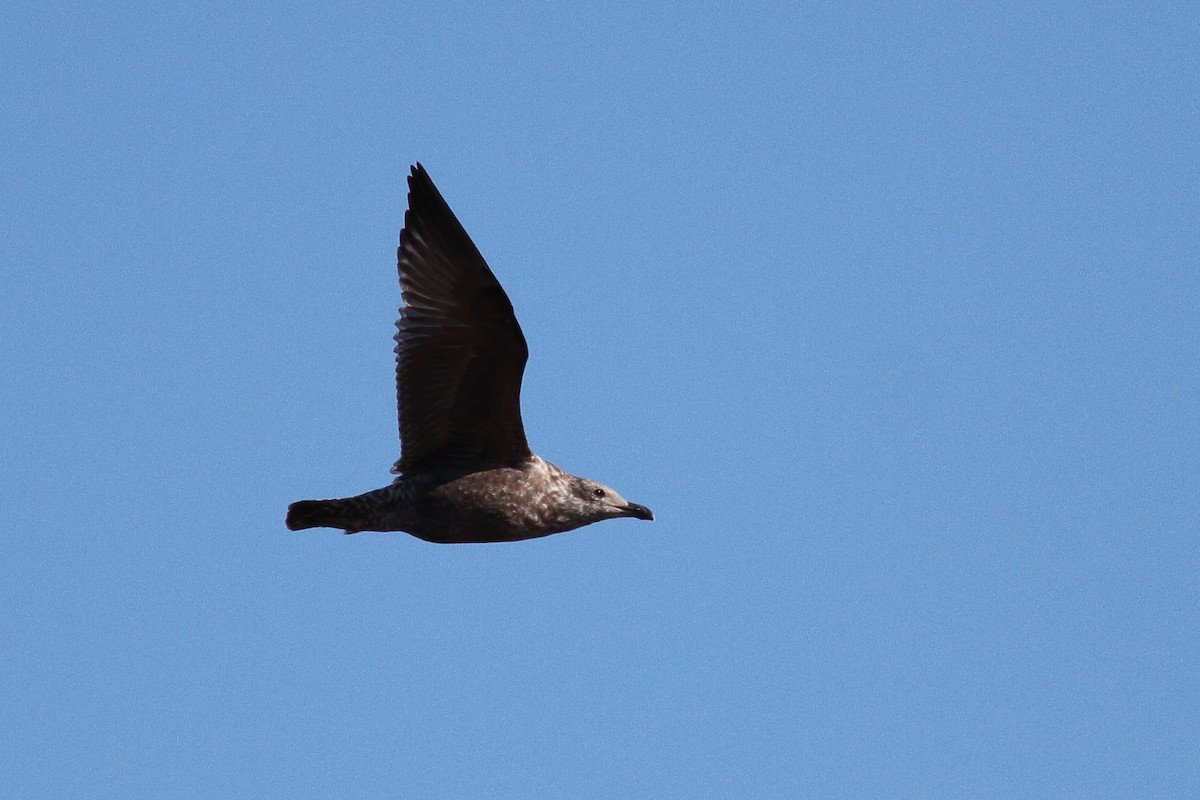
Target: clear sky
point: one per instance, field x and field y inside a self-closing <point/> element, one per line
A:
<point x="891" y="314"/>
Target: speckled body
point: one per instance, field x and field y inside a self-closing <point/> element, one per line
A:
<point x="448" y="506"/>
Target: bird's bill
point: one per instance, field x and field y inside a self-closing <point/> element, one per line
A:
<point x="638" y="511"/>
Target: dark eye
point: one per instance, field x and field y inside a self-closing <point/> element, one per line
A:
<point x="598" y="492"/>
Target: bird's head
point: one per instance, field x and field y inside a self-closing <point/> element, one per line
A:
<point x="598" y="501"/>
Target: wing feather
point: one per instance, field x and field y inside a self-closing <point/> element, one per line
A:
<point x="460" y="354"/>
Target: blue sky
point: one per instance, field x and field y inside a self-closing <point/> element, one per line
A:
<point x="890" y="314"/>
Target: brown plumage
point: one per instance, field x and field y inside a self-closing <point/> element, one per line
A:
<point x="466" y="473"/>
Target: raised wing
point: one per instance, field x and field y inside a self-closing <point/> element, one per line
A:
<point x="460" y="353"/>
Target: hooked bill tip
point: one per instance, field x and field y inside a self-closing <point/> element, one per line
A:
<point x="639" y="511"/>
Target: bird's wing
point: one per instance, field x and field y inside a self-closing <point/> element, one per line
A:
<point x="460" y="353"/>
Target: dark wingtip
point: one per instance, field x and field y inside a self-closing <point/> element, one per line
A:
<point x="417" y="176"/>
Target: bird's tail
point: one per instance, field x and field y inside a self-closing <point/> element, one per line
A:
<point x="321" y="514"/>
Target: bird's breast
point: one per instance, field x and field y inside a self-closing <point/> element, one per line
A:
<point x="499" y="504"/>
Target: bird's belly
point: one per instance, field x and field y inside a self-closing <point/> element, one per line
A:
<point x="489" y="506"/>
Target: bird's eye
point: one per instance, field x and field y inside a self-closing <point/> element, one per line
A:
<point x="598" y="492"/>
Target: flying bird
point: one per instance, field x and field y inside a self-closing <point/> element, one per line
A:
<point x="465" y="473"/>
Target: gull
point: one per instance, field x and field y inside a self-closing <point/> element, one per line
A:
<point x="465" y="473"/>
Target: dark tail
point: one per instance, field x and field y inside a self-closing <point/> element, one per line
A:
<point x="320" y="514"/>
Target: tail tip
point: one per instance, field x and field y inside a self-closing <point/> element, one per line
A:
<point x="304" y="514"/>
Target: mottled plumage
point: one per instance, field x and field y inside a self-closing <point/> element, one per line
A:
<point x="465" y="472"/>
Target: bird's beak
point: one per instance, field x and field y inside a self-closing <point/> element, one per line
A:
<point x="638" y="511"/>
